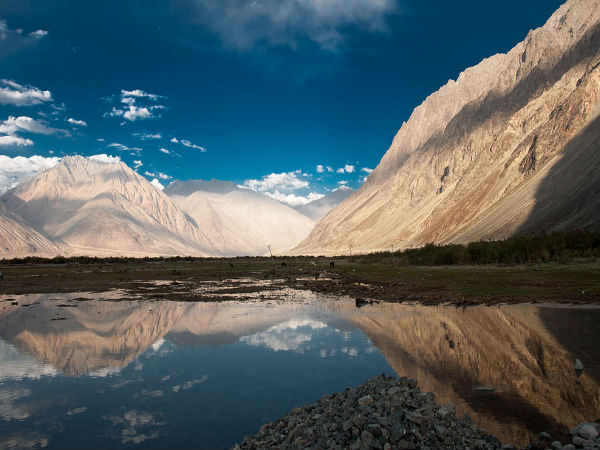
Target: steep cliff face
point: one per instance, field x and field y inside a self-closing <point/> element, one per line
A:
<point x="490" y="154"/>
<point x="97" y="208"/>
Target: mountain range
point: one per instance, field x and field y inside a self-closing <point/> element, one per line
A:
<point x="88" y="207"/>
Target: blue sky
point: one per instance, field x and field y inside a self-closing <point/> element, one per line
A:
<point x="267" y="93"/>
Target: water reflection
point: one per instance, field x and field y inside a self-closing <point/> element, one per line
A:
<point x="191" y="375"/>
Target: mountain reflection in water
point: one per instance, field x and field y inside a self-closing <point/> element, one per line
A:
<point x="510" y="368"/>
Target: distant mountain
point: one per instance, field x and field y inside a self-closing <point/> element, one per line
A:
<point x="97" y="209"/>
<point x="19" y="239"/>
<point x="317" y="209"/>
<point x="510" y="147"/>
<point x="239" y="221"/>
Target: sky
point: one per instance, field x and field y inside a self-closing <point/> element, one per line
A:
<point x="293" y="98"/>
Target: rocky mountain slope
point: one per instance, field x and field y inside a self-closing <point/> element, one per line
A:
<point x="97" y="208"/>
<point x="18" y="239"/>
<point x="239" y="221"/>
<point x="509" y="147"/>
<point x="317" y="209"/>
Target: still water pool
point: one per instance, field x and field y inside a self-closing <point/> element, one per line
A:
<point x="83" y="371"/>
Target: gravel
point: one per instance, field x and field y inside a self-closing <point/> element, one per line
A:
<point x="389" y="413"/>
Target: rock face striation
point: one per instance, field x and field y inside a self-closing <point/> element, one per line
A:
<point x="509" y="147"/>
<point x="239" y="221"/>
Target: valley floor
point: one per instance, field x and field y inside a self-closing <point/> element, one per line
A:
<point x="577" y="281"/>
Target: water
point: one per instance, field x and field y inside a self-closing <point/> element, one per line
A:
<point x="135" y="374"/>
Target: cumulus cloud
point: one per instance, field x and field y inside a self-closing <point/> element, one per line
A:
<point x="285" y="181"/>
<point x="104" y="158"/>
<point x="137" y="163"/>
<point x="13" y="93"/>
<point x="7" y="141"/>
<point x="320" y="168"/>
<point x="293" y="199"/>
<point x="164" y="150"/>
<point x="244" y="25"/>
<point x="136" y="105"/>
<point x="348" y="168"/>
<point x="366" y="170"/>
<point x="79" y="123"/>
<point x="13" y="170"/>
<point x="157" y="184"/>
<point x="14" y="125"/>
<point x="329" y="168"/>
<point x="174" y="140"/>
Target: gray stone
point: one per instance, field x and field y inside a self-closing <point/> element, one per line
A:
<point x="387" y="446"/>
<point x="393" y="390"/>
<point x="405" y="445"/>
<point x="544" y="435"/>
<point x="556" y="444"/>
<point x="412" y="383"/>
<point x="587" y="431"/>
<point x="581" y="442"/>
<point x="365" y="401"/>
<point x="417" y="418"/>
<point x="397" y="431"/>
<point x="366" y="437"/>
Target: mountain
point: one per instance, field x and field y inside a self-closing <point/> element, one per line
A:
<point x="509" y="147"/>
<point x="317" y="209"/>
<point x="239" y="221"/>
<point x="97" y="208"/>
<point x="18" y="239"/>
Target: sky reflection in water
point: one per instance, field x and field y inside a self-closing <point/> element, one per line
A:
<point x="182" y="375"/>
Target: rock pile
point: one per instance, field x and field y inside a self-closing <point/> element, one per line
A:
<point x="385" y="413"/>
<point x="586" y="435"/>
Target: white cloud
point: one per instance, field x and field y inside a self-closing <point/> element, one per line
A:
<point x="12" y="93"/>
<point x="285" y="181"/>
<point x="319" y="168"/>
<point x="124" y="148"/>
<point x="100" y="139"/>
<point x="6" y="141"/>
<point x="14" y="125"/>
<point x="137" y="163"/>
<point x="38" y="34"/>
<point x="146" y="136"/>
<point x="243" y="25"/>
<point x="80" y="123"/>
<point x="104" y="158"/>
<point x="164" y="150"/>
<point x="137" y="93"/>
<point x="340" y="170"/>
<point x="349" y="168"/>
<point x="13" y="170"/>
<point x="294" y="200"/>
<point x="343" y="182"/>
<point x="187" y="143"/>
<point x="157" y="184"/>
<point x="366" y="170"/>
<point x="132" y="111"/>
<point x="329" y="168"/>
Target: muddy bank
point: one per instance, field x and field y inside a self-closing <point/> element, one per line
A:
<point x="202" y="280"/>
